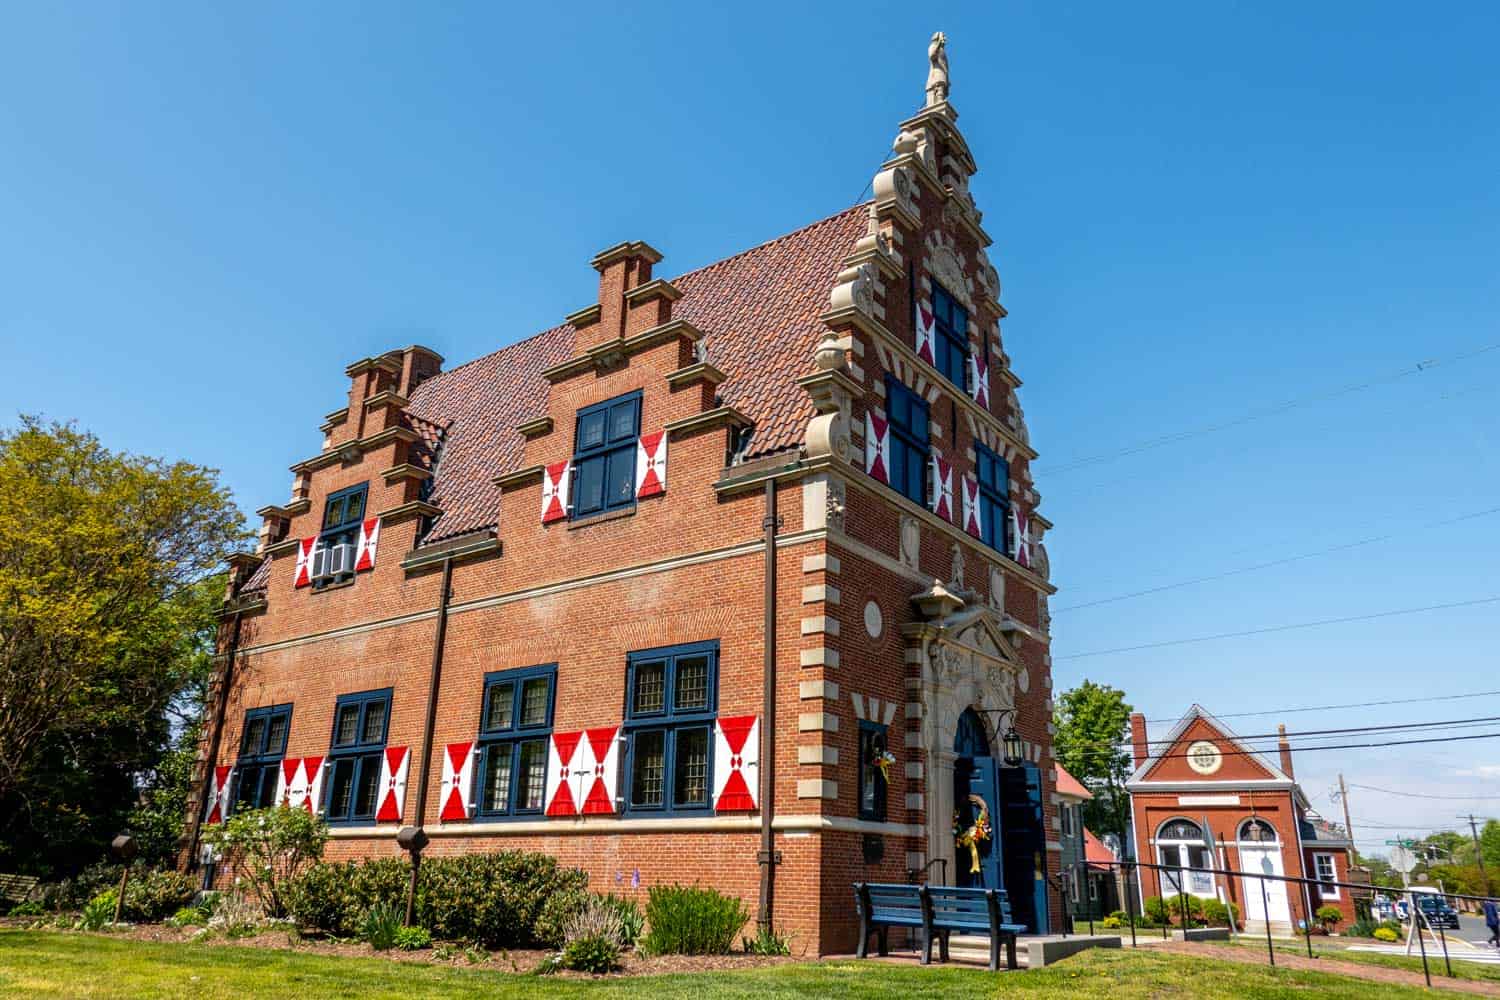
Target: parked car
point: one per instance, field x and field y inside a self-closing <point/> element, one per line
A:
<point x="1381" y="909"/>
<point x="1436" y="911"/>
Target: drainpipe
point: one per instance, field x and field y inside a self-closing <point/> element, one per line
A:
<point x="215" y="735"/>
<point x="414" y="839"/>
<point x="768" y="858"/>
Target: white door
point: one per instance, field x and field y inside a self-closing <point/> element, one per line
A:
<point x="1264" y="898"/>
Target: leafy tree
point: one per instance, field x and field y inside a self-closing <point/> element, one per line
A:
<point x="1093" y="737"/>
<point x="1489" y="847"/>
<point x="269" y="848"/>
<point x="104" y="605"/>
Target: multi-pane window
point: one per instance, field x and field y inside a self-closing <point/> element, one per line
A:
<point x="604" y="455"/>
<point x="513" y="729"/>
<point x="343" y="513"/>
<point x="262" y="745"/>
<point x="951" y="345"/>
<point x="360" y="722"/>
<point x="1327" y="875"/>
<point x="872" y="771"/>
<point x="670" y="701"/>
<point x="907" y="413"/>
<point x="994" y="497"/>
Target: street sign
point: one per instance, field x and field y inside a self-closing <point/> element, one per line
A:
<point x="1403" y="860"/>
<point x="1401" y="843"/>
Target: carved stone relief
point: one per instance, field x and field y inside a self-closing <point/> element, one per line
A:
<point x="911" y="541"/>
<point x="835" y="505"/>
<point x="956" y="570"/>
<point x="997" y="589"/>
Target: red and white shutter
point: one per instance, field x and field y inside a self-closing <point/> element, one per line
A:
<point x="926" y="329"/>
<point x="312" y="787"/>
<point x="458" y="782"/>
<point x="287" y="778"/>
<point x="651" y="465"/>
<point x="973" y="515"/>
<point x="303" y="576"/>
<point x="1020" y="537"/>
<point x="217" y="806"/>
<point x="604" y="756"/>
<point x="979" y="375"/>
<point x="555" y="492"/>
<point x="736" y="763"/>
<point x="942" y="486"/>
<point x="369" y="537"/>
<point x="877" y="446"/>
<point x="563" y="752"/>
<point x="394" y="765"/>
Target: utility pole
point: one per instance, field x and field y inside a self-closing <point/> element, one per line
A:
<point x="1344" y="801"/>
<point x="1478" y="854"/>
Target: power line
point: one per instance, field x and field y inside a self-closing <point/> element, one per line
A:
<point x="1280" y="628"/>
<point x="1261" y="414"/>
<point x="1419" y="795"/>
<point x="1355" y="704"/>
<point x="1337" y="746"/>
<point x="1303" y="734"/>
<point x="1267" y="565"/>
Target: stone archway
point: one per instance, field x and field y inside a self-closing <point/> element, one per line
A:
<point x="967" y="662"/>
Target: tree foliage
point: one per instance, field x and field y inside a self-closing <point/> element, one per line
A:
<point x="1092" y="741"/>
<point x="268" y="848"/>
<point x="105" y="618"/>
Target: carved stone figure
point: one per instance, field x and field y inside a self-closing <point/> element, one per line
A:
<point x="911" y="541"/>
<point x="937" y="72"/>
<point x="997" y="589"/>
<point x="835" y="504"/>
<point x="956" y="573"/>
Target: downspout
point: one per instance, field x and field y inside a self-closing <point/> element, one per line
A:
<point x="215" y="737"/>
<point x="768" y="858"/>
<point x="414" y="839"/>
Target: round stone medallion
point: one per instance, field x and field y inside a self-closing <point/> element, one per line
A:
<point x="874" y="622"/>
<point x="1204" y="757"/>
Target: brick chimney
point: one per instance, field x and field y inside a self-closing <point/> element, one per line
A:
<point x="1138" y="743"/>
<point x="624" y="272"/>
<point x="1286" y="750"/>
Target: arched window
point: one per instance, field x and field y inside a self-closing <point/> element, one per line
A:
<point x="1257" y="831"/>
<point x="1184" y="855"/>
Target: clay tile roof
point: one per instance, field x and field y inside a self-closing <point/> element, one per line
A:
<point x="758" y="311"/>
<point x="1069" y="785"/>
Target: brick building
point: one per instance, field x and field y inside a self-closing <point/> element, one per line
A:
<point x="538" y="600"/>
<point x="1204" y="785"/>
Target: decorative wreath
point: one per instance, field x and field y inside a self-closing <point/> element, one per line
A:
<point x="971" y="836"/>
<point x="884" y="762"/>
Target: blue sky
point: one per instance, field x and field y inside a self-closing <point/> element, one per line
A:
<point x="1198" y="214"/>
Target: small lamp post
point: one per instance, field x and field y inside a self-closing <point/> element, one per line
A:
<point x="125" y="848"/>
<point x="412" y="839"/>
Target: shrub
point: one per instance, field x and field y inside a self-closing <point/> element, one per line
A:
<point x="187" y="916"/>
<point x="30" y="908"/>
<point x="692" y="921"/>
<point x="72" y="893"/>
<point x="99" y="912"/>
<point x="334" y="898"/>
<point x="381" y="924"/>
<point x="596" y="918"/>
<point x="597" y="954"/>
<point x="493" y="899"/>
<point x="1385" y="934"/>
<point x="1329" y="916"/>
<point x="551" y="927"/>
<point x="412" y="938"/>
<point x="767" y="942"/>
<point x="269" y="848"/>
<point x="152" y="896"/>
<point x="1155" y="910"/>
<point x="1112" y="922"/>
<point x="1193" y="905"/>
<point x="632" y="920"/>
<point x="1217" y="914"/>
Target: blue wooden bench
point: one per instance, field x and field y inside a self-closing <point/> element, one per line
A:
<point x="938" y="910"/>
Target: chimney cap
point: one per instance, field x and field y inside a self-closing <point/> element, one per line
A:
<point x="625" y="251"/>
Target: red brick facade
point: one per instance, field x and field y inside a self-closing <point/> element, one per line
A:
<point x="759" y="369"/>
<point x="1203" y="773"/>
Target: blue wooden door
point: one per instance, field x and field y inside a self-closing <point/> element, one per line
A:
<point x="978" y="777"/>
<point x="1024" y="849"/>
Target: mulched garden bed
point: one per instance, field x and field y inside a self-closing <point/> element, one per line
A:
<point x="504" y="960"/>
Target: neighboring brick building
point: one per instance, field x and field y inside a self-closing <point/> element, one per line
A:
<point x="1256" y="813"/>
<point x="599" y="495"/>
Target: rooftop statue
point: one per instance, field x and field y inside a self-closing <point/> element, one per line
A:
<point x="937" y="73"/>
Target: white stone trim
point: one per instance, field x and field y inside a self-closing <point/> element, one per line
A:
<point x="818" y="756"/>
<point x="817" y="722"/>
<point x="820" y="624"/>
<point x="818" y="689"/>
<point x="817" y="788"/>
<point x="822" y="656"/>
<point x="820" y="592"/>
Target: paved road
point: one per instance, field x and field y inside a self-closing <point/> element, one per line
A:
<point x="1471" y="928"/>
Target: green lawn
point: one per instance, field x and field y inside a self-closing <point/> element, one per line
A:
<point x="1461" y="970"/>
<point x="54" y="964"/>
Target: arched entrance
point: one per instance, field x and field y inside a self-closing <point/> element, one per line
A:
<point x="1260" y="851"/>
<point x="976" y="799"/>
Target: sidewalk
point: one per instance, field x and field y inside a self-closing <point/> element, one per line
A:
<point x="1357" y="970"/>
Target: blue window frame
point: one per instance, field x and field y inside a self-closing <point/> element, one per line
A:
<point x="671" y="702"/>
<point x="262" y="746"/>
<point x="514" y="725"/>
<point x="360" y="724"/>
<point x="993" y="473"/>
<point x="343" y="512"/>
<point x="872" y="783"/>
<point x="908" y="415"/>
<point x="951" y="345"/>
<point x="604" y="448"/>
